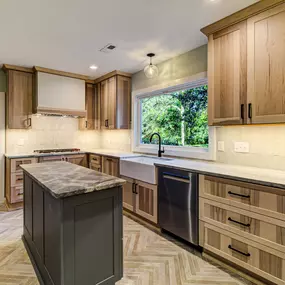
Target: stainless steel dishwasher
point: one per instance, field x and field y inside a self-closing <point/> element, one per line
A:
<point x="178" y="203"/>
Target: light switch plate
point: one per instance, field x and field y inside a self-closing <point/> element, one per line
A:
<point x="242" y="147"/>
<point x="221" y="146"/>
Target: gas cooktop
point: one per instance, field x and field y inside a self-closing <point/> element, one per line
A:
<point x="57" y="150"/>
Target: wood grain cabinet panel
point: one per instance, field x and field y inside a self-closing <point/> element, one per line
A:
<point x="146" y="200"/>
<point x="268" y="231"/>
<point x="129" y="194"/>
<point x="264" y="200"/>
<point x="90" y="122"/>
<point x="227" y="75"/>
<point x="110" y="166"/>
<point x="115" y="99"/>
<point x="79" y="159"/>
<point x="266" y="66"/>
<point x="264" y="261"/>
<point x="19" y="99"/>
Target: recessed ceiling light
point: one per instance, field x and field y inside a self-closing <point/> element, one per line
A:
<point x="94" y="67"/>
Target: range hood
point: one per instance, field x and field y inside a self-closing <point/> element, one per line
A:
<point x="59" y="95"/>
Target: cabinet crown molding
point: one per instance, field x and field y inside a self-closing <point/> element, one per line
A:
<point x="240" y="16"/>
<point x="111" y="74"/>
<point x="7" y="67"/>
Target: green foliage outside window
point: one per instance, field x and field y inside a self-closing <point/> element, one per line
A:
<point x="181" y="118"/>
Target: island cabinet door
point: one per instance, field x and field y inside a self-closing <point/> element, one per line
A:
<point x="93" y="238"/>
<point x="28" y="203"/>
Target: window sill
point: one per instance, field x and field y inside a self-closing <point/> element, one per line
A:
<point x="182" y="152"/>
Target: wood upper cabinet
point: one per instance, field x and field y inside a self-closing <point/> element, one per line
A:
<point x="246" y="66"/>
<point x="19" y="99"/>
<point x="266" y="66"/>
<point x="115" y="97"/>
<point x="110" y="166"/>
<point x="227" y="75"/>
<point x="91" y="121"/>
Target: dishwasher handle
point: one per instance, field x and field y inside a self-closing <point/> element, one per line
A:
<point x="180" y="178"/>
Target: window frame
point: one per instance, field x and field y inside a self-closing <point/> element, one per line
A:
<point x="178" y="151"/>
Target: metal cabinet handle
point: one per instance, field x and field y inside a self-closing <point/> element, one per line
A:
<point x="245" y="225"/>
<point x="250" y="110"/>
<point x="20" y="179"/>
<point x="106" y="123"/>
<point x="86" y="124"/>
<point x="239" y="195"/>
<point x="136" y="192"/>
<point x="236" y="250"/>
<point x="109" y="159"/>
<point x="242" y="111"/>
<point x="133" y="188"/>
<point x="29" y="122"/>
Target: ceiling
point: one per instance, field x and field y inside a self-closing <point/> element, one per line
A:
<point x="68" y="34"/>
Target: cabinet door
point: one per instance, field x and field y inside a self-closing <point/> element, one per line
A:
<point x="88" y="123"/>
<point x="110" y="166"/>
<point x="19" y="99"/>
<point x="77" y="159"/>
<point x="112" y="103"/>
<point x="128" y="193"/>
<point x="123" y="102"/>
<point x="227" y="76"/>
<point x="104" y="98"/>
<point x="266" y="66"/>
<point x="146" y="201"/>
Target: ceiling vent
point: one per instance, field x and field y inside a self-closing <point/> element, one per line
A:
<point x="108" y="48"/>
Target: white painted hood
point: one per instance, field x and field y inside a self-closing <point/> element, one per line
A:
<point x="59" y="95"/>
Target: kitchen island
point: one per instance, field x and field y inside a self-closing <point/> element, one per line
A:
<point x="73" y="224"/>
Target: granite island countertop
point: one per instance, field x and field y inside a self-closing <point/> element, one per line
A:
<point x="63" y="179"/>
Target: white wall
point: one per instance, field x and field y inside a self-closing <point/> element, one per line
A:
<point x="2" y="145"/>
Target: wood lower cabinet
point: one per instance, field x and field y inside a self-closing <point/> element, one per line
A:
<point x="14" y="181"/>
<point x="227" y="75"/>
<point x="140" y="198"/>
<point x="19" y="99"/>
<point x="266" y="66"/>
<point x="110" y="166"/>
<point x="263" y="261"/>
<point x="129" y="193"/>
<point x="244" y="223"/>
<point x="79" y="159"/>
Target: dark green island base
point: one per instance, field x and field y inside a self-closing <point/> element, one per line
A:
<point x="73" y="232"/>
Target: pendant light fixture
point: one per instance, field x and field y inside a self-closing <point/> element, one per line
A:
<point x="151" y="70"/>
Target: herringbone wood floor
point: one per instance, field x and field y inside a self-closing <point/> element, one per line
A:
<point x="149" y="259"/>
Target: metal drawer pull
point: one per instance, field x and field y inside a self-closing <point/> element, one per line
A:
<point x="239" y="195"/>
<point x="236" y="250"/>
<point x="20" y="194"/>
<point x="20" y="179"/>
<point x="245" y="225"/>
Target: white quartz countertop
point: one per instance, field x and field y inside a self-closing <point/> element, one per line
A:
<point x="106" y="152"/>
<point x="262" y="176"/>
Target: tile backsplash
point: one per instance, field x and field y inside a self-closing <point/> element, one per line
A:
<point x="51" y="132"/>
<point x="60" y="132"/>
<point x="266" y="145"/>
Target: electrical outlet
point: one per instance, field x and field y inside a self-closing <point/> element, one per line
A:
<point x="221" y="146"/>
<point x="242" y="147"/>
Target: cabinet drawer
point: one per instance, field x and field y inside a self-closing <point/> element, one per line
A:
<point x="263" y="261"/>
<point x="259" y="228"/>
<point x="252" y="197"/>
<point x="17" y="178"/>
<point x="95" y="158"/>
<point x="95" y="166"/>
<point x="17" y="194"/>
<point x="15" y="163"/>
